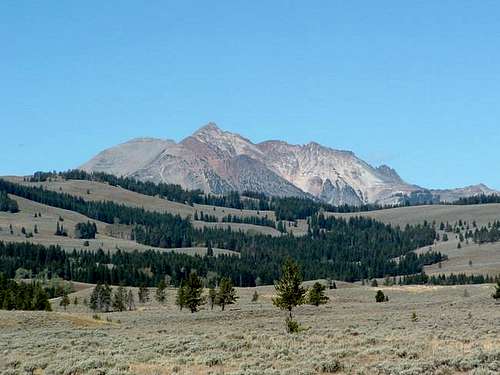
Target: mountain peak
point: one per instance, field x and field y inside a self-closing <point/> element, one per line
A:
<point x="211" y="127"/>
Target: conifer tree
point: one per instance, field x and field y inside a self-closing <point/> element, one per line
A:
<point x="496" y="294"/>
<point x="289" y="289"/>
<point x="160" y="294"/>
<point x="212" y="297"/>
<point x="380" y="296"/>
<point x="130" y="300"/>
<point x="100" y="299"/>
<point x="180" y="299"/>
<point x="226" y="295"/>
<point x="193" y="290"/>
<point x="41" y="299"/>
<point x="120" y="299"/>
<point x="64" y="302"/>
<point x="210" y="250"/>
<point x="255" y="296"/>
<point x="143" y="294"/>
<point x="316" y="295"/>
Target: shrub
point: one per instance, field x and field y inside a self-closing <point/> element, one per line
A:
<point x="292" y="326"/>
<point x="380" y="296"/>
<point x="496" y="295"/>
<point x="414" y="316"/>
<point x="255" y="296"/>
<point x="329" y="367"/>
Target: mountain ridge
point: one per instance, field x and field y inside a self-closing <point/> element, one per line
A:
<point x="218" y="161"/>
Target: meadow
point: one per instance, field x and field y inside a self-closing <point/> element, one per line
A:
<point x="420" y="330"/>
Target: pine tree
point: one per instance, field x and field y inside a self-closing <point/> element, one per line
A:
<point x="255" y="296"/>
<point x="496" y="294"/>
<point x="289" y="289"/>
<point x="120" y="299"/>
<point x="64" y="302"/>
<point x="316" y="295"/>
<point x="105" y="298"/>
<point x="94" y="302"/>
<point x="100" y="299"/>
<point x="180" y="299"/>
<point x="160" y="295"/>
<point x="143" y="294"/>
<point x="41" y="299"/>
<point x="212" y="297"/>
<point x="130" y="300"/>
<point x="193" y="290"/>
<point x="226" y="295"/>
<point x="380" y="296"/>
<point x="210" y="251"/>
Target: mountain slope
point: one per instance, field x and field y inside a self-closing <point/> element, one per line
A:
<point x="216" y="161"/>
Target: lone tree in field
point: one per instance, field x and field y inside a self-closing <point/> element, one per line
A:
<point x="192" y="294"/>
<point x="496" y="295"/>
<point x="289" y="289"/>
<point x="64" y="301"/>
<point x="380" y="297"/>
<point x="226" y="295"/>
<point x="255" y="296"/>
<point x="316" y="295"/>
<point x="161" y="295"/>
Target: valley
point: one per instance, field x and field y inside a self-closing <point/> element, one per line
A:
<point x="431" y="329"/>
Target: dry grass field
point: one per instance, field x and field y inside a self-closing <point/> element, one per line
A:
<point x="452" y="334"/>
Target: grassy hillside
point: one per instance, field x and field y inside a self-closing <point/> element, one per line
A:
<point x="482" y="213"/>
<point x="47" y="222"/>
<point x="97" y="191"/>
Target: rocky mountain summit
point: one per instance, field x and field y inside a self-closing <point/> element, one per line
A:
<point x="217" y="161"/>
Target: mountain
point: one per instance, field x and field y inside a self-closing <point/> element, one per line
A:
<point x="451" y="195"/>
<point x="218" y="161"/>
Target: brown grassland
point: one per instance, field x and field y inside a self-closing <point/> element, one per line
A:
<point x="421" y="330"/>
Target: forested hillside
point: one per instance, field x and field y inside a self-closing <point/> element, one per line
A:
<point x="349" y="250"/>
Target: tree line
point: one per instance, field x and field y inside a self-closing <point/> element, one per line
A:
<point x="479" y="199"/>
<point x="22" y="295"/>
<point x="169" y="230"/>
<point x="451" y="279"/>
<point x="254" y="266"/>
<point x="7" y="204"/>
<point x="348" y="250"/>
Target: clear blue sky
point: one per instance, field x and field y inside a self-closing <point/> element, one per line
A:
<point x="414" y="84"/>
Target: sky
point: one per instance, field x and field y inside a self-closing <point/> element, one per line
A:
<point x="415" y="85"/>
